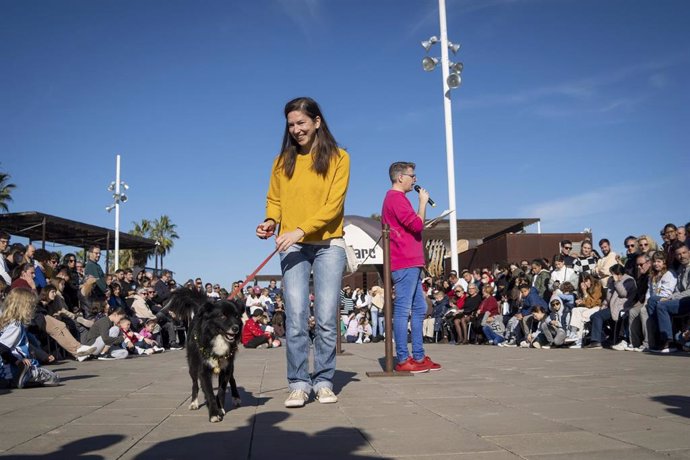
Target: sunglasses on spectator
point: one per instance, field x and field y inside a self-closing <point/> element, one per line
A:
<point x="630" y="245"/>
<point x="567" y="247"/>
<point x="642" y="264"/>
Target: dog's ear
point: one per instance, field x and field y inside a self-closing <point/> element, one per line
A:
<point x="239" y="309"/>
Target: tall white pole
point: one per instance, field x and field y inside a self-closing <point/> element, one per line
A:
<point x="449" y="137"/>
<point x="117" y="212"/>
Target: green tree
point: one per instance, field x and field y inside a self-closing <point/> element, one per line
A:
<point x="5" y="191"/>
<point x="164" y="233"/>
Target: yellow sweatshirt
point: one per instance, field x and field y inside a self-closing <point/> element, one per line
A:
<point x="308" y="201"/>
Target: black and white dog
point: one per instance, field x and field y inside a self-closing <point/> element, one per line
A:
<point x="212" y="339"/>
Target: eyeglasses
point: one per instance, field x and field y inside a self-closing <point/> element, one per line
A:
<point x="413" y="176"/>
<point x="4" y="241"/>
<point x="630" y="245"/>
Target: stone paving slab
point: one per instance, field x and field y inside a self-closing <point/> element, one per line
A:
<point x="488" y="403"/>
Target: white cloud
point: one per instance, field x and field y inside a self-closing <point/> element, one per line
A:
<point x="605" y="200"/>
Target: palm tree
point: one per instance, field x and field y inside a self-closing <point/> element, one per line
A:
<point x="5" y="191"/>
<point x="163" y="232"/>
<point x="139" y="257"/>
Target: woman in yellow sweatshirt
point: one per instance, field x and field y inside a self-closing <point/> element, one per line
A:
<point x="306" y="198"/>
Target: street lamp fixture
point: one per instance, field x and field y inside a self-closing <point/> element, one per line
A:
<point x="451" y="80"/>
<point x="118" y="197"/>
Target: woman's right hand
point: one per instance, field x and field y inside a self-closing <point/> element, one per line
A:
<point x="266" y="229"/>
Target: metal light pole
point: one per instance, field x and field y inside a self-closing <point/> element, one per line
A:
<point x="450" y="80"/>
<point x="118" y="197"/>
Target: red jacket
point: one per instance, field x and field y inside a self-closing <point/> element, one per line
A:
<point x="488" y="305"/>
<point x="250" y="330"/>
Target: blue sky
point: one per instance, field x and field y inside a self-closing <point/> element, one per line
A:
<point x="572" y="111"/>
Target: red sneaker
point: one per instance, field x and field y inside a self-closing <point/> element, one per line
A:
<point x="412" y="366"/>
<point x="430" y="364"/>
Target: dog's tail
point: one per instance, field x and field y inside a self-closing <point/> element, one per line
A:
<point x="185" y="303"/>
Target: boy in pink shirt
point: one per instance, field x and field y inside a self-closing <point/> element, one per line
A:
<point x="407" y="261"/>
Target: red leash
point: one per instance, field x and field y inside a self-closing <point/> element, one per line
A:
<point x="251" y="277"/>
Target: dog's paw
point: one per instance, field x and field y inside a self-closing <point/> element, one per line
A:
<point x="215" y="418"/>
<point x="194" y="405"/>
<point x="237" y="402"/>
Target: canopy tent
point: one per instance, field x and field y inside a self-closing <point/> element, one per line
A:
<point x="37" y="226"/>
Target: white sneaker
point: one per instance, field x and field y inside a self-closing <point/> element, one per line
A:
<point x="546" y="347"/>
<point x="367" y="340"/>
<point x="326" y="396"/>
<point x="358" y="340"/>
<point x="524" y="344"/>
<point x="84" y="350"/>
<point x="536" y="344"/>
<point x="641" y="349"/>
<point x="297" y="398"/>
<point x="577" y="344"/>
<point x="571" y="337"/>
<point x="620" y="346"/>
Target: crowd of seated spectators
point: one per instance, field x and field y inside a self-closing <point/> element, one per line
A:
<point x="636" y="301"/>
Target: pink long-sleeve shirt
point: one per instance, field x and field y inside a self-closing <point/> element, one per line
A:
<point x="406" y="231"/>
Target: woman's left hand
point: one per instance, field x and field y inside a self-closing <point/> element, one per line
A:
<point x="285" y="240"/>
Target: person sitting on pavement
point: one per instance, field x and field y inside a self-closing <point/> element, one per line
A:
<point x="589" y="302"/>
<point x="20" y="368"/>
<point x="142" y="306"/>
<point x="253" y="336"/>
<point x="620" y="295"/>
<point x="678" y="303"/>
<point x="561" y="273"/>
<point x="105" y="336"/>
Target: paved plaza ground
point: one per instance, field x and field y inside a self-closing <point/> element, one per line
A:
<point x="487" y="403"/>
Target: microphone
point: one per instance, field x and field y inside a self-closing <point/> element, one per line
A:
<point x="431" y="202"/>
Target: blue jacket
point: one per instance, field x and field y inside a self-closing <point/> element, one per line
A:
<point x="533" y="299"/>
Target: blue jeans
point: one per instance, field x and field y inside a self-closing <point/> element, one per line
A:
<point x="663" y="310"/>
<point x="492" y="335"/>
<point x="327" y="264"/>
<point x="376" y="321"/>
<point x="409" y="299"/>
<point x="598" y="319"/>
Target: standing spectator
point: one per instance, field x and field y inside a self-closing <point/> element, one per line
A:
<point x="4" y="271"/>
<point x="587" y="260"/>
<point x="407" y="261"/>
<point x="377" y="317"/>
<point x="631" y="253"/>
<point x="566" y="247"/>
<point x="670" y="235"/>
<point x="604" y="264"/>
<point x="306" y="196"/>
<point x="647" y="245"/>
<point x="93" y="269"/>
<point x="540" y="277"/>
<point x="273" y="290"/>
<point x="210" y="293"/>
<point x="162" y="288"/>
<point x="346" y="301"/>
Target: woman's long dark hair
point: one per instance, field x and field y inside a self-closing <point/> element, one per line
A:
<point x="325" y="149"/>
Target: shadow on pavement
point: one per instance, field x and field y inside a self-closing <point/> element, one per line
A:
<point x="239" y="443"/>
<point x="342" y="378"/>
<point x="78" y="449"/>
<point x="680" y="405"/>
